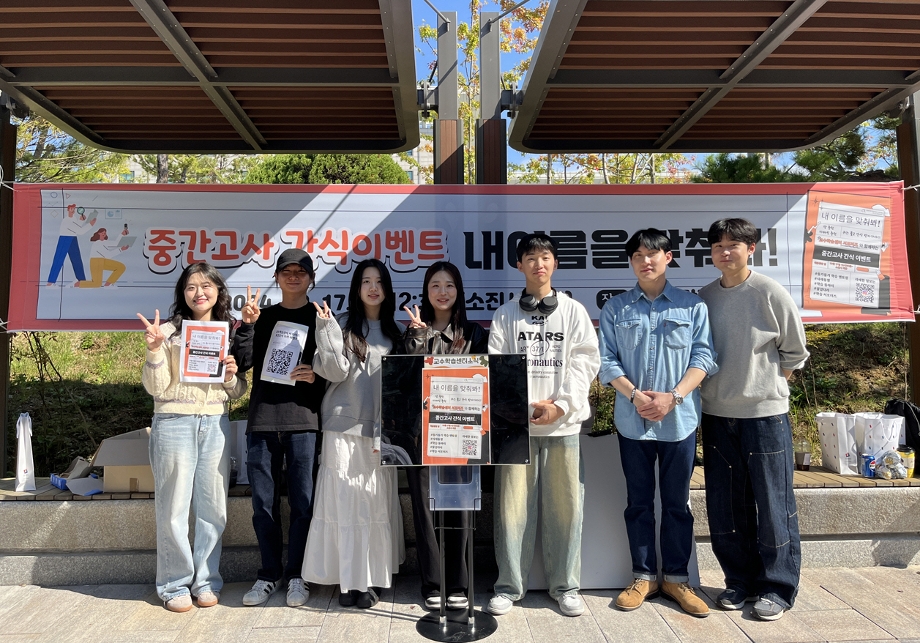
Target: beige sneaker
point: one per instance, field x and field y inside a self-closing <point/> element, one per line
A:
<point x="634" y="595"/>
<point x="207" y="598"/>
<point x="181" y="603"/>
<point x="686" y="598"/>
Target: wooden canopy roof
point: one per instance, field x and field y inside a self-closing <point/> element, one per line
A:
<point x="714" y="75"/>
<point x="216" y="76"/>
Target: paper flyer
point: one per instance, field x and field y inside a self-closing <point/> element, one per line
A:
<point x="204" y="345"/>
<point x="284" y="350"/>
<point x="455" y="411"/>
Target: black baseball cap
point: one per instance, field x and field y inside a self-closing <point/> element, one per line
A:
<point x="292" y="256"/>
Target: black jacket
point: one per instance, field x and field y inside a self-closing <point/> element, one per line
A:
<point x="273" y="406"/>
<point x="428" y="341"/>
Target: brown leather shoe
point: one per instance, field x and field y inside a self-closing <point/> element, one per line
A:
<point x="684" y="595"/>
<point x="634" y="595"/>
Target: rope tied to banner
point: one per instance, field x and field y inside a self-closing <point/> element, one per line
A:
<point x="6" y="184"/>
<point x="912" y="187"/>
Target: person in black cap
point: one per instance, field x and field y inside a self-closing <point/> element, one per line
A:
<point x="280" y="343"/>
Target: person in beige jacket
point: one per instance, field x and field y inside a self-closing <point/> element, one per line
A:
<point x="189" y="445"/>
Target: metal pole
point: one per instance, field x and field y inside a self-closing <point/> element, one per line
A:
<point x="491" y="135"/>
<point x="8" y="167"/>
<point x="441" y="528"/>
<point x="470" y="593"/>
<point x="448" y="129"/>
<point x="909" y="164"/>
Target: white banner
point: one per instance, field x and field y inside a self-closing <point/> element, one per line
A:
<point x="106" y="253"/>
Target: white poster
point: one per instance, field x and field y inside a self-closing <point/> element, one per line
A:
<point x="284" y="350"/>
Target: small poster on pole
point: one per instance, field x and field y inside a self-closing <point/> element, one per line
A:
<point x="284" y="350"/>
<point x="202" y="350"/>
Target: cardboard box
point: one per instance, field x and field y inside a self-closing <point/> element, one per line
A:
<point x="126" y="462"/>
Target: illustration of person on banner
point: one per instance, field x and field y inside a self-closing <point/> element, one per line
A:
<point x="557" y="335"/>
<point x="68" y="244"/>
<point x="441" y="327"/>
<point x="190" y="443"/>
<point x="101" y="259"/>
<point x="282" y="344"/>
<point x="656" y="348"/>
<point x="356" y="537"/>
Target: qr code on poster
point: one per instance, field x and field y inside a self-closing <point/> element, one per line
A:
<point x="469" y="447"/>
<point x="279" y="362"/>
<point x="865" y="293"/>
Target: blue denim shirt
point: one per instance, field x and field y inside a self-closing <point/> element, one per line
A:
<point x="653" y="343"/>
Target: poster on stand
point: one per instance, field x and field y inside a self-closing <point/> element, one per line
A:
<point x="454" y="410"/>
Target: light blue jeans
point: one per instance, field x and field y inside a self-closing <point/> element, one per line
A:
<point x="190" y="457"/>
<point x="556" y="478"/>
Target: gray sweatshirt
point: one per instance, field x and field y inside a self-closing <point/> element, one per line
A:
<point x="352" y="401"/>
<point x="757" y="332"/>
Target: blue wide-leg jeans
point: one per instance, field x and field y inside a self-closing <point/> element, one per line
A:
<point x="555" y="478"/>
<point x="190" y="457"/>
<point x="753" y="519"/>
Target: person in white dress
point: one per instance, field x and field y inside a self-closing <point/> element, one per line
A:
<point x="356" y="537"/>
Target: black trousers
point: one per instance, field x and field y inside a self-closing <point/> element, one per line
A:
<point x="426" y="540"/>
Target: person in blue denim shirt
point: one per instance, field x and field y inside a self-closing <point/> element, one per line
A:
<point x="747" y="440"/>
<point x="656" y="347"/>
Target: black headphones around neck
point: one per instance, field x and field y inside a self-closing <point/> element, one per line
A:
<point x="529" y="303"/>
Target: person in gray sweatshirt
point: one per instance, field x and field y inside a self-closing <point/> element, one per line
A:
<point x="747" y="439"/>
<point x="356" y="539"/>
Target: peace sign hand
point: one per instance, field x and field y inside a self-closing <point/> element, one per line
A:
<point x="154" y="336"/>
<point x="323" y="312"/>
<point x="251" y="311"/>
<point x="415" y="321"/>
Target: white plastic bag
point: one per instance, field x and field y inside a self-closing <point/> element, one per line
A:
<point x="25" y="465"/>
<point x="877" y="432"/>
<point x="838" y="442"/>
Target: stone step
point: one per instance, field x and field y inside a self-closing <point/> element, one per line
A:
<point x="113" y="541"/>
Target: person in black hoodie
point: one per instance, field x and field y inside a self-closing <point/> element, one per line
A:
<point x="441" y="327"/>
<point x="283" y="421"/>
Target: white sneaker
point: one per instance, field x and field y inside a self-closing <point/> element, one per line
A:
<point x="571" y="605"/>
<point x="458" y="602"/>
<point x="433" y="602"/>
<point x="259" y="592"/>
<point x="500" y="604"/>
<point x="298" y="593"/>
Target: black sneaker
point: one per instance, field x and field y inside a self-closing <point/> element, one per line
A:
<point x="348" y="598"/>
<point x="734" y="599"/>
<point x="767" y="610"/>
<point x="368" y="599"/>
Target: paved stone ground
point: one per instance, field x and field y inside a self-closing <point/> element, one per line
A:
<point x="865" y="604"/>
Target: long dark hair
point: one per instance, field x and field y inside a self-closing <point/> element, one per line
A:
<point x="356" y="326"/>
<point x="458" y="312"/>
<point x="180" y="309"/>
